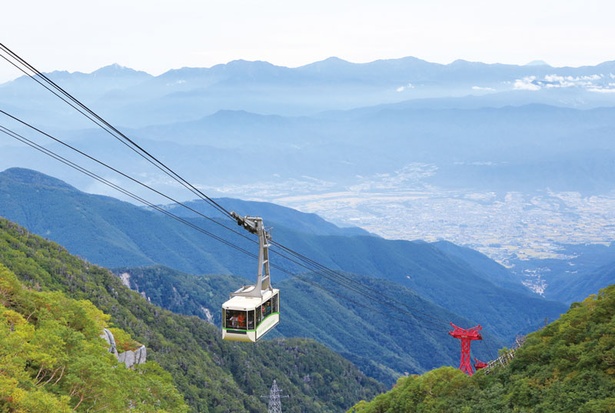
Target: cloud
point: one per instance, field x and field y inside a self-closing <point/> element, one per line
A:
<point x="527" y="83"/>
<point x="592" y="83"/>
<point x="553" y="81"/>
<point x="610" y="88"/>
<point x="402" y="88"/>
<point x="488" y="89"/>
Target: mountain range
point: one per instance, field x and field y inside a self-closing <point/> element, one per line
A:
<point x="263" y="88"/>
<point x="427" y="284"/>
<point x="513" y="161"/>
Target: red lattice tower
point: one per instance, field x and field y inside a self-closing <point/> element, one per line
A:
<point x="466" y="336"/>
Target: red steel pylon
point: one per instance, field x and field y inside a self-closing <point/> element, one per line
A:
<point x="466" y="336"/>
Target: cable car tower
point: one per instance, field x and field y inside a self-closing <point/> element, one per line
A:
<point x="253" y="310"/>
<point x="466" y="336"/>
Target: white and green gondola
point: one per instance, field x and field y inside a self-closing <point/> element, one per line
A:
<point x="253" y="310"/>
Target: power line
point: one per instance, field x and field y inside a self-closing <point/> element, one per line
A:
<point x="48" y="84"/>
<point x="118" y="188"/>
<point x="287" y="253"/>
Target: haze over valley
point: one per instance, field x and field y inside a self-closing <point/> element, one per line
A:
<point x="514" y="161"/>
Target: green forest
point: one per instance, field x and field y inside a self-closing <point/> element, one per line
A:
<point x="318" y="308"/>
<point x="53" y="359"/>
<point x="384" y="305"/>
<point x="568" y="366"/>
<point x="211" y="375"/>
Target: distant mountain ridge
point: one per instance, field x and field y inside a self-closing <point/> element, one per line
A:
<point x="190" y="93"/>
<point x="405" y="148"/>
<point x="447" y="281"/>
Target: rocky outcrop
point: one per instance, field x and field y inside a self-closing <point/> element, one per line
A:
<point x="130" y="357"/>
<point x="108" y="336"/>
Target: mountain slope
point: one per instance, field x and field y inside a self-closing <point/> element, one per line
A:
<point x="117" y="234"/>
<point x="53" y="359"/>
<point x="445" y="280"/>
<point x="210" y="374"/>
<point x="566" y="367"/>
<point x="570" y="288"/>
<point x="585" y="268"/>
<point x="384" y="329"/>
<point x="482" y="265"/>
<point x="106" y="231"/>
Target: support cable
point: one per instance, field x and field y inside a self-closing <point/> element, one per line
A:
<point x="111" y="168"/>
<point x="299" y="259"/>
<point x="286" y="253"/>
<point x="51" y="86"/>
<point x="120" y="189"/>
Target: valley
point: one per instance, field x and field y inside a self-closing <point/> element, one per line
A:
<point x="504" y="227"/>
<point x="509" y="227"/>
<point x="516" y="169"/>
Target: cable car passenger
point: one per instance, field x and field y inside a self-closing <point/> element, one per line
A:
<point x="241" y="320"/>
<point x="232" y="319"/>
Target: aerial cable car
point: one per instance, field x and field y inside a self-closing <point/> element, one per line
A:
<point x="253" y="310"/>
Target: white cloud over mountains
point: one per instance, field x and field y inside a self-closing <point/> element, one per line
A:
<point x="593" y="83"/>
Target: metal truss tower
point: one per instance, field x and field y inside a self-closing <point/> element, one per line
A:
<point x="275" y="405"/>
<point x="466" y="336"/>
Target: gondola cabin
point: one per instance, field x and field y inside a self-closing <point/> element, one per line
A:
<point x="250" y="318"/>
<point x="253" y="310"/>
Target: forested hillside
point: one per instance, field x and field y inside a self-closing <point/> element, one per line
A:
<point x="569" y="366"/>
<point x="212" y="375"/>
<point x="385" y="335"/>
<point x="54" y="360"/>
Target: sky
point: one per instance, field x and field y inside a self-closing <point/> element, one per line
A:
<point x="159" y="35"/>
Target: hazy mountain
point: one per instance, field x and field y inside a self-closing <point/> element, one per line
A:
<point x="370" y="144"/>
<point x="528" y="148"/>
<point x="117" y="234"/>
<point x="131" y="98"/>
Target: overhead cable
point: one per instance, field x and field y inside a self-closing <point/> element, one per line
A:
<point x="285" y="252"/>
<point x="51" y="86"/>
